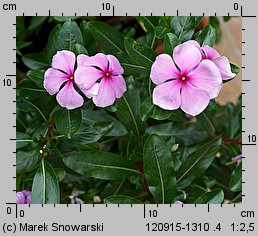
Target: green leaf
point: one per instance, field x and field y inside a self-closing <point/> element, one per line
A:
<point x="26" y="161"/>
<point x="79" y="49"/>
<point x="207" y="36"/>
<point x="45" y="187"/>
<point x="234" y="69"/>
<point x="158" y="168"/>
<point x="90" y="133"/>
<point x="64" y="18"/>
<point x="213" y="197"/>
<point x="121" y="199"/>
<point x="205" y="122"/>
<point x="22" y="140"/>
<point x="64" y="38"/>
<point x="132" y="68"/>
<point x="148" y="23"/>
<point x="128" y="112"/>
<point x="94" y="117"/>
<point x="36" y="61"/>
<point x="36" y="22"/>
<point x="99" y="165"/>
<point x="146" y="109"/>
<point x="89" y="41"/>
<point x="183" y="27"/>
<point x="182" y="133"/>
<point x="53" y="44"/>
<point x="108" y="37"/>
<point x="160" y="114"/>
<point x="170" y="42"/>
<point x="214" y="21"/>
<point x="161" y="31"/>
<point x="139" y="53"/>
<point x="69" y="35"/>
<point x="235" y="184"/>
<point x="67" y="121"/>
<point x="198" y="162"/>
<point x="37" y="76"/>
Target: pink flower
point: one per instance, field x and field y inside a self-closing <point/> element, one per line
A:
<point x="23" y="197"/>
<point x="237" y="159"/>
<point x="186" y="81"/>
<point x="106" y="70"/>
<point x="221" y="62"/>
<point x="62" y="71"/>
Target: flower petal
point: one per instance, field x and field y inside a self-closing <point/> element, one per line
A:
<point x="163" y="69"/>
<point x="114" y="65"/>
<point x="82" y="59"/>
<point x="224" y="67"/>
<point x="68" y="97"/>
<point x="187" y="56"/>
<point x="86" y="76"/>
<point x="167" y="95"/>
<point x="53" y="79"/>
<point x="99" y="60"/>
<point x="206" y="77"/>
<point x="106" y="96"/>
<point x="64" y="60"/>
<point x="210" y="52"/>
<point x="93" y="91"/>
<point x="118" y="84"/>
<point x="193" y="100"/>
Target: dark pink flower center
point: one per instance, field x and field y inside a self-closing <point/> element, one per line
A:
<point x="183" y="78"/>
<point x="71" y="77"/>
<point x="107" y="74"/>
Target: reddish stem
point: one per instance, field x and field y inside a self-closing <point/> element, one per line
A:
<point x="145" y="184"/>
<point x="226" y="139"/>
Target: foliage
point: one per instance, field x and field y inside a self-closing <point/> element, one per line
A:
<point x="133" y="151"/>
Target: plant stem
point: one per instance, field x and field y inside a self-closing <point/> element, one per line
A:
<point x="150" y="87"/>
<point x="226" y="139"/>
<point x="153" y="41"/>
<point x="132" y="116"/>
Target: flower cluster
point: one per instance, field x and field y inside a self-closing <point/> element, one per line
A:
<point x="188" y="80"/>
<point x="98" y="77"/>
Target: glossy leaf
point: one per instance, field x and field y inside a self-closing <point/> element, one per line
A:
<point x="131" y="67"/>
<point x="67" y="121"/>
<point x="79" y="49"/>
<point x="235" y="184"/>
<point x="100" y="165"/>
<point x="170" y="42"/>
<point x="26" y="161"/>
<point x="90" y="133"/>
<point x="94" y="117"/>
<point x="128" y="112"/>
<point x="64" y="38"/>
<point x="197" y="162"/>
<point x="213" y="197"/>
<point x="182" y="133"/>
<point x="45" y="187"/>
<point x="121" y="199"/>
<point x="148" y="23"/>
<point x="108" y="37"/>
<point x="183" y="27"/>
<point x="207" y="36"/>
<point x="205" y="122"/>
<point x="37" y="76"/>
<point x="161" y="31"/>
<point x="159" y="169"/>
<point x="22" y="140"/>
<point x="139" y="53"/>
<point x="36" y="61"/>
